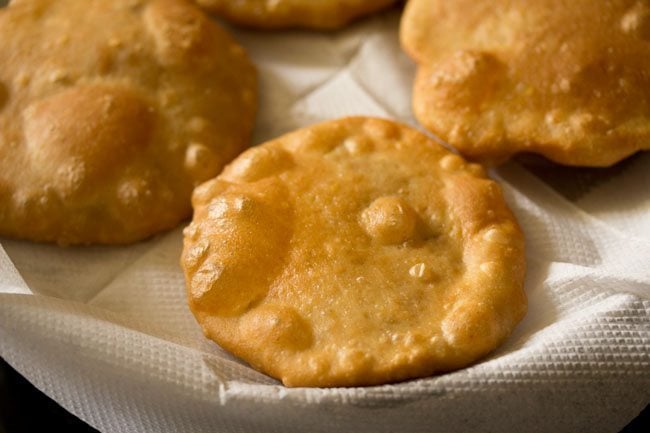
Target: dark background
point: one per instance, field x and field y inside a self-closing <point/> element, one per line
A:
<point x="23" y="408"/>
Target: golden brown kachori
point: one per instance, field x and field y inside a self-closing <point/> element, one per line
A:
<point x="311" y="14"/>
<point x="354" y="252"/>
<point x="567" y="80"/>
<point x="111" y="112"/>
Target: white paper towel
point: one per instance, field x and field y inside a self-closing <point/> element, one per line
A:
<point x="106" y="331"/>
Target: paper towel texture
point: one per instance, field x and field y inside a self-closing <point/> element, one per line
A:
<point x="108" y="335"/>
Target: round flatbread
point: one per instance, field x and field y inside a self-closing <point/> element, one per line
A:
<point x="111" y="112"/>
<point x="354" y="252"/>
<point x="567" y="80"/>
<point x="312" y="14"/>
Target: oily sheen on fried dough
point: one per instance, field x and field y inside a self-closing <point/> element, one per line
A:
<point x="354" y="252"/>
<point x="565" y="79"/>
<point x="312" y="14"/>
<point x="110" y="113"/>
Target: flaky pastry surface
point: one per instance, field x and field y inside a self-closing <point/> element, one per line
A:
<point x="354" y="252"/>
<point x="111" y="112"/>
<point x="314" y="14"/>
<point x="568" y="80"/>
